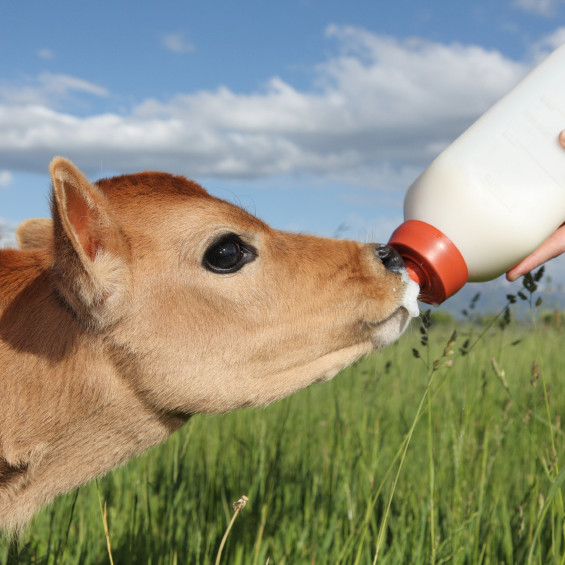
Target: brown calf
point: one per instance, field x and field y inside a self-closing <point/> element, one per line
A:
<point x="145" y="300"/>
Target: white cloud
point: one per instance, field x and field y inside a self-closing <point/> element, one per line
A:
<point x="177" y="43"/>
<point x="380" y="109"/>
<point x="47" y="90"/>
<point x="546" y="8"/>
<point x="46" y="53"/>
<point x="7" y="233"/>
<point x="545" y="45"/>
<point x="6" y="178"/>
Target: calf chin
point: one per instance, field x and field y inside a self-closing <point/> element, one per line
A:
<point x="392" y="328"/>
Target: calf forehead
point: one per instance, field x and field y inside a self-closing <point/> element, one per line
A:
<point x="150" y="186"/>
<point x="154" y="195"/>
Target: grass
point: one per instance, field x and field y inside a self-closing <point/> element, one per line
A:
<point x="443" y="448"/>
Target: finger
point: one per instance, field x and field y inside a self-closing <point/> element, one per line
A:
<point x="553" y="246"/>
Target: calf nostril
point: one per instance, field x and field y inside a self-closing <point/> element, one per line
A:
<point x="390" y="258"/>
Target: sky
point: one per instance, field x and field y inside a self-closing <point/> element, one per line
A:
<point x="316" y="115"/>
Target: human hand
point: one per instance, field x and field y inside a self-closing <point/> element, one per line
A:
<point x="553" y="246"/>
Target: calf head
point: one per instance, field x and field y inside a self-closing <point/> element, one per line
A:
<point x="176" y="302"/>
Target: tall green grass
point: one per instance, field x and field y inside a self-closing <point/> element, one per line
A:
<point x="443" y="448"/>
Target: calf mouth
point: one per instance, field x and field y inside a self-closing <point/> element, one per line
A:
<point x="411" y="292"/>
<point x="393" y="262"/>
<point x="389" y="330"/>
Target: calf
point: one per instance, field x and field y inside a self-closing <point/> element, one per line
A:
<point x="145" y="300"/>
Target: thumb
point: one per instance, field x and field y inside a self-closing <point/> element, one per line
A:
<point x="553" y="246"/>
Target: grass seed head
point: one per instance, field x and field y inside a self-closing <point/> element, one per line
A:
<point x="239" y="505"/>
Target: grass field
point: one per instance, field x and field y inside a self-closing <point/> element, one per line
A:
<point x="439" y="449"/>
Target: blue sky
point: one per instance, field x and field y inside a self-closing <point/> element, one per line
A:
<point x="316" y="115"/>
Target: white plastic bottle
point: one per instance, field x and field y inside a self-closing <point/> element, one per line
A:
<point x="495" y="194"/>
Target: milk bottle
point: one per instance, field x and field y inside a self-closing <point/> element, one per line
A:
<point x="495" y="194"/>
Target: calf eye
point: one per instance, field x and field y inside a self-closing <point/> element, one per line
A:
<point x="228" y="255"/>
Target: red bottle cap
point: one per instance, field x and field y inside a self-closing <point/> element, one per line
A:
<point x="432" y="260"/>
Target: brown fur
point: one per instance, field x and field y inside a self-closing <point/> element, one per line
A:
<point x="112" y="332"/>
<point x="35" y="233"/>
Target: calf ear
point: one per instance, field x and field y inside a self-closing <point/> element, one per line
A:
<point x="90" y="251"/>
<point x="35" y="233"/>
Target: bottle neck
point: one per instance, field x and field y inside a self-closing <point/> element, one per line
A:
<point x="418" y="275"/>
<point x="432" y="289"/>
<point x="431" y="259"/>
